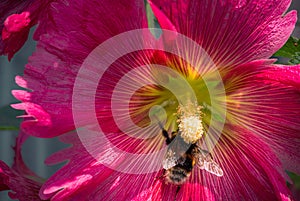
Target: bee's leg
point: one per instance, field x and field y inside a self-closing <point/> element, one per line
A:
<point x="162" y="176"/>
<point x="166" y="135"/>
<point x="177" y="190"/>
<point x="174" y="133"/>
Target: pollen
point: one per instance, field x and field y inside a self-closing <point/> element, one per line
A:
<point x="190" y="122"/>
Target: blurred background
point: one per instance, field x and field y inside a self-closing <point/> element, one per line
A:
<point x="35" y="150"/>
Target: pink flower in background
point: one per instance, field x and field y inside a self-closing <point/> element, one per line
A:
<point x="260" y="137"/>
<point x="24" y="183"/>
<point x="16" y="18"/>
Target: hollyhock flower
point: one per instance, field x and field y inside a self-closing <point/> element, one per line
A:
<point x="209" y="66"/>
<point x="16" y="19"/>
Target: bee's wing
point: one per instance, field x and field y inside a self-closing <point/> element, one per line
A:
<point x="207" y="163"/>
<point x="175" y="153"/>
<point x="170" y="159"/>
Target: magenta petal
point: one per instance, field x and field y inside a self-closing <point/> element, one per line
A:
<point x="288" y="75"/>
<point x="152" y="193"/>
<point x="267" y="102"/>
<point x="15" y="33"/>
<point x="251" y="172"/>
<point x="251" y="168"/>
<point x="85" y="178"/>
<point x="164" y="22"/>
<point x="72" y="33"/>
<point x="22" y="182"/>
<point x="24" y="188"/>
<point x="232" y="32"/>
<point x="16" y="20"/>
<point x="3" y="181"/>
<point x="264" y="105"/>
<point x="81" y="170"/>
<point x="15" y="23"/>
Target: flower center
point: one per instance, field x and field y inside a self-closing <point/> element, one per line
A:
<point x="190" y="122"/>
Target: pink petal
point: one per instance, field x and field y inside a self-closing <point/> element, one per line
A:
<point x="287" y="75"/>
<point x="265" y="98"/>
<point x="232" y="32"/>
<point x="23" y="187"/>
<point x="15" y="23"/>
<point x="3" y="181"/>
<point x="22" y="182"/>
<point x="251" y="172"/>
<point x="152" y="193"/>
<point x="15" y="33"/>
<point x="192" y="190"/>
<point x="16" y="20"/>
<point x="251" y="169"/>
<point x="72" y="33"/>
<point x="85" y="178"/>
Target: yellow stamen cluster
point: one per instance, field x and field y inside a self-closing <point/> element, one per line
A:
<point x="190" y="122"/>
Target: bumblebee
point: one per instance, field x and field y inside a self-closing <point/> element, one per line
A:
<point x="181" y="157"/>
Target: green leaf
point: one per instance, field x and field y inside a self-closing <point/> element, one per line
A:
<point x="9" y="128"/>
<point x="295" y="178"/>
<point x="152" y="20"/>
<point x="150" y="16"/>
<point x="291" y="51"/>
<point x="295" y="59"/>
